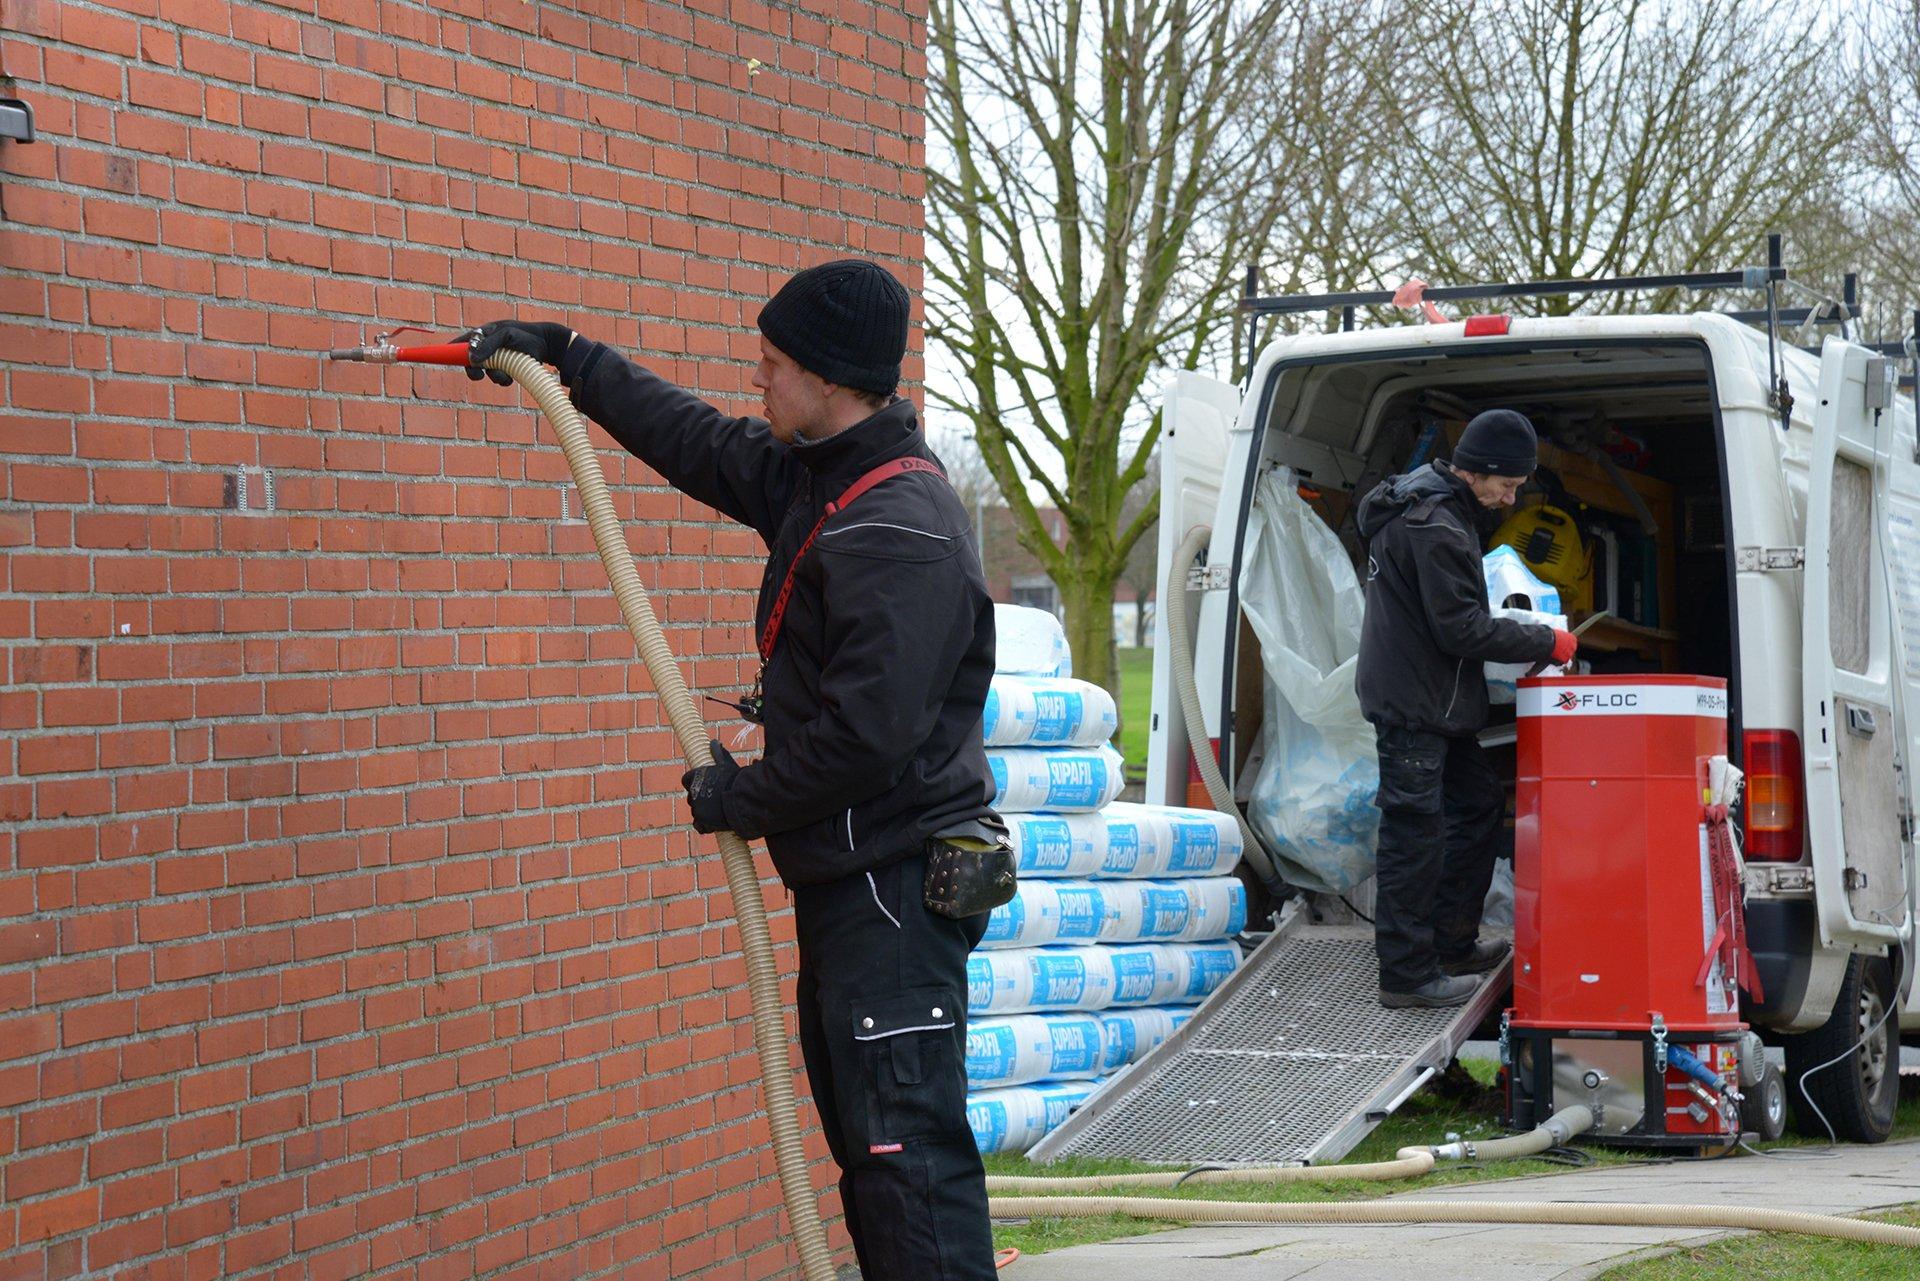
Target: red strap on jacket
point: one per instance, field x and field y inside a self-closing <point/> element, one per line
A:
<point x="885" y="471"/>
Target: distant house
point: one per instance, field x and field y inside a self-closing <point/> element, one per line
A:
<point x="1016" y="577"/>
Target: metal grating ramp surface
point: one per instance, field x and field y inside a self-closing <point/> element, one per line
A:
<point x="1292" y="1060"/>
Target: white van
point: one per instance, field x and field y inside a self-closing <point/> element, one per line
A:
<point x="1784" y="557"/>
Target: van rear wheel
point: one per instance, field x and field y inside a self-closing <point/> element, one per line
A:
<point x="1858" y="1093"/>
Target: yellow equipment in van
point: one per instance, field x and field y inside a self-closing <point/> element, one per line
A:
<point x="1549" y="542"/>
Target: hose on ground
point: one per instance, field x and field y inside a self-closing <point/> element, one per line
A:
<point x="750" y="912"/>
<point x="1173" y="598"/>
<point x="1601" y="1214"/>
<point x="1408" y="1163"/>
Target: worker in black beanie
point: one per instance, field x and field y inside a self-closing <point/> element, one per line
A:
<point x="875" y="633"/>
<point x="1425" y="638"/>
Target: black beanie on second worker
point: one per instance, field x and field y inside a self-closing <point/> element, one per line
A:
<point x="845" y="321"/>
<point x="1499" y="442"/>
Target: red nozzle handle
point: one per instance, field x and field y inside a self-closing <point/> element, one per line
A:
<point x="445" y="353"/>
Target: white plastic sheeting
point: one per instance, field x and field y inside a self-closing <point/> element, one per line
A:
<point x="1312" y="801"/>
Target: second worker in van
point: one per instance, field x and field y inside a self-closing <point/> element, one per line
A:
<point x="1426" y="634"/>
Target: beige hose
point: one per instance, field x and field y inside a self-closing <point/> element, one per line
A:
<point x="1411" y="1163"/>
<point x="1408" y="1163"/>
<point x="1391" y="1211"/>
<point x="750" y="912"/>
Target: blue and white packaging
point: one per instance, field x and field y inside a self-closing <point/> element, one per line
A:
<point x="1213" y="907"/>
<point x="1061" y="779"/>
<point x="1533" y="601"/>
<point x="1126" y="840"/>
<point x="1058" y="845"/>
<point x="1029" y="919"/>
<point x="1169" y="973"/>
<point x="1047" y="711"/>
<point x="1030" y="642"/>
<point x="1020" y="1048"/>
<point x="1130" y="1035"/>
<point x="1018" y="980"/>
<point x="1016" y="1118"/>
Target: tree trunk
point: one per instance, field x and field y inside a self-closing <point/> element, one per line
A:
<point x="1088" y="598"/>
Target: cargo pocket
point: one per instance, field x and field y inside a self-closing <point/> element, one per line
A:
<point x="1410" y="773"/>
<point x="912" y="1073"/>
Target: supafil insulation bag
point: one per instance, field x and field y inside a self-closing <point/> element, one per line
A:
<point x="1129" y="1035"/>
<point x="1016" y="1118"/>
<point x="1029" y="641"/>
<point x="1016" y="1049"/>
<point x="1126" y="840"/>
<point x="1060" y="779"/>
<point x="1168" y="840"/>
<point x="1119" y="911"/>
<point x="1021" y="980"/>
<point x="1047" y="711"/>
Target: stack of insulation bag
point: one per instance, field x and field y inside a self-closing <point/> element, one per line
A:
<point x="1125" y="915"/>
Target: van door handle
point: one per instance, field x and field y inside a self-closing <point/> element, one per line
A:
<point x="1860" y="722"/>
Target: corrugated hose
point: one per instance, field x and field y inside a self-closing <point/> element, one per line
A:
<point x="749" y="908"/>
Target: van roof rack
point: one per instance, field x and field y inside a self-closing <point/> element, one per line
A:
<point x="1829" y="311"/>
<point x="1292" y="304"/>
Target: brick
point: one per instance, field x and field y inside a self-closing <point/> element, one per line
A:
<point x="256" y="765"/>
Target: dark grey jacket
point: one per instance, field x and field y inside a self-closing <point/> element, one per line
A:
<point x="875" y="689"/>
<point x="1427" y="630"/>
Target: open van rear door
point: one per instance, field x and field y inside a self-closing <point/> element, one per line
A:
<point x="1850" y="664"/>
<point x="1197" y="417"/>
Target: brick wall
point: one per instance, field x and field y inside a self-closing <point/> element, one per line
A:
<point x="346" y="925"/>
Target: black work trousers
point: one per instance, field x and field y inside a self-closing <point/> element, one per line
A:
<point x="1441" y="805"/>
<point x="883" y="1027"/>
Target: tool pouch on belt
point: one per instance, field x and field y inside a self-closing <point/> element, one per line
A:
<point x="967" y="876"/>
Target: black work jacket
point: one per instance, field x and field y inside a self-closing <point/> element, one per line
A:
<point x="1427" y="632"/>
<point x="875" y="689"/>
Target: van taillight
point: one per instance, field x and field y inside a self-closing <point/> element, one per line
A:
<point x="1487" y="326"/>
<point x="1197" y="797"/>
<point x="1776" y="816"/>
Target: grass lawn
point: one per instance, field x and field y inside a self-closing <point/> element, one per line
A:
<point x="1136" y="693"/>
<point x="1777" y="1257"/>
<point x="1425" y="1119"/>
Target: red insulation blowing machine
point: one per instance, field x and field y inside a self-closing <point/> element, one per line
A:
<point x="1628" y="947"/>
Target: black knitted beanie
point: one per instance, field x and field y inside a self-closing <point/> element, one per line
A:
<point x="1499" y="442"/>
<point x="845" y="321"/>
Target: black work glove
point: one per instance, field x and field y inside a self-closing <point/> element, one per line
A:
<point x="707" y="790"/>
<point x="543" y="341"/>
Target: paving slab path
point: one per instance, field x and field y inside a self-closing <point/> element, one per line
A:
<point x="1843" y="1180"/>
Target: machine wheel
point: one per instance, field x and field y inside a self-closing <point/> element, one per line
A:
<point x="1764" y="1109"/>
<point x="1858" y="1094"/>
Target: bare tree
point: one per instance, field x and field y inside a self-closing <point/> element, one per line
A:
<point x="1142" y="570"/>
<point x="1074" y="151"/>
<point x="1887" y="222"/>
<point x="1611" y="137"/>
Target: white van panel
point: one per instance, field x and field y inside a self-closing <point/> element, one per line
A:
<point x="1853" y="741"/>
<point x="1198" y="418"/>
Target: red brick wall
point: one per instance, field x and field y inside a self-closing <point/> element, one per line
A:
<point x="346" y="925"/>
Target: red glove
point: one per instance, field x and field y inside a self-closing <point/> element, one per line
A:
<point x="1565" y="645"/>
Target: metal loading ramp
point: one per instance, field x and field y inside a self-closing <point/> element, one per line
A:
<point x="1293" y="1059"/>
